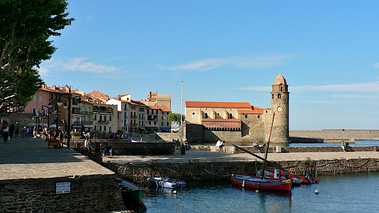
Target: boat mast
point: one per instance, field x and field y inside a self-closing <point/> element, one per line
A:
<point x="268" y="144"/>
<point x="181" y="115"/>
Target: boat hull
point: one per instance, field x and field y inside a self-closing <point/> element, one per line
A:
<point x="254" y="182"/>
<point x="168" y="183"/>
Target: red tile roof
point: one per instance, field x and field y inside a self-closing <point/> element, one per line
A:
<point x="253" y="110"/>
<point x="208" y="104"/>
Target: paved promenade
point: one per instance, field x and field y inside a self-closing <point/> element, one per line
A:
<point x="30" y="158"/>
<point x="208" y="156"/>
<point x="24" y="158"/>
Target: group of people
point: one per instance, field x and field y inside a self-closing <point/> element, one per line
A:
<point x="8" y="131"/>
<point x="345" y="146"/>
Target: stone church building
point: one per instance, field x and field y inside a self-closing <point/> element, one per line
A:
<point x="240" y="122"/>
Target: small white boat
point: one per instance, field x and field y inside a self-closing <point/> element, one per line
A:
<point x="169" y="183"/>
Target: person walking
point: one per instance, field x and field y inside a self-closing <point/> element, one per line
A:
<point x="5" y="133"/>
<point x="11" y="131"/>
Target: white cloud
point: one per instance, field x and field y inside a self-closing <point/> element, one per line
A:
<point x="75" y="64"/>
<point x="238" y="62"/>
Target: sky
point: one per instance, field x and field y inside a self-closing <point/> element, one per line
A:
<point x="218" y="50"/>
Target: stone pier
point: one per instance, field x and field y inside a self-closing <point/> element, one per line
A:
<point x="35" y="178"/>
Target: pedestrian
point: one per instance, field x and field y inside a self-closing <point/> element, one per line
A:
<point x="11" y="131"/>
<point x="5" y="133"/>
<point x="17" y="130"/>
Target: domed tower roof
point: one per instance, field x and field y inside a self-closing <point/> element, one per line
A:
<point x="280" y="80"/>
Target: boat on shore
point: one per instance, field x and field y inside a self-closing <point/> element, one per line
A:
<point x="168" y="183"/>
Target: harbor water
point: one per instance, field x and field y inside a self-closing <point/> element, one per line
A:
<point x="342" y="193"/>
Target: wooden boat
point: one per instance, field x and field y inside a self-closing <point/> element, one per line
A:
<point x="265" y="182"/>
<point x="169" y="183"/>
<point x="296" y="179"/>
<point x="255" y="182"/>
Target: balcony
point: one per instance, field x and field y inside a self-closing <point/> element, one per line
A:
<point x="79" y="123"/>
<point x="103" y="122"/>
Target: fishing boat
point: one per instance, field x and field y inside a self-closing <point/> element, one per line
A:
<point x="255" y="182"/>
<point x="169" y="183"/>
<point x="131" y="194"/>
<point x="264" y="181"/>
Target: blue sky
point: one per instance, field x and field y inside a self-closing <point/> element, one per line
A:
<point x="328" y="51"/>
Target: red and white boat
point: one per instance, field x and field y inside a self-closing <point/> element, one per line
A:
<point x="255" y="182"/>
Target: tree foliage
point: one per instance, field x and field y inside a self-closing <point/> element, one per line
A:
<point x="175" y="117"/>
<point x="25" y="29"/>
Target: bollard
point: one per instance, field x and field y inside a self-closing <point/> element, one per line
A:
<point x="183" y="149"/>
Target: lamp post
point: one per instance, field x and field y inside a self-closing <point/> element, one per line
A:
<point x="46" y="113"/>
<point x="69" y="117"/>
<point x="38" y="114"/>
<point x="57" y="103"/>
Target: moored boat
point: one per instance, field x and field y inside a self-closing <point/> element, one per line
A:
<point x="254" y="182"/>
<point x="169" y="183"/>
<point x="262" y="180"/>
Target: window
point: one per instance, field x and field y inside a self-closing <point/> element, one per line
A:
<point x="193" y="113"/>
<point x="279" y="96"/>
<point x="245" y="116"/>
<point x="272" y="96"/>
<point x="206" y="115"/>
<point x="230" y="115"/>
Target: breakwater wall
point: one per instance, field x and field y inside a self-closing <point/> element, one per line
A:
<point x="208" y="171"/>
<point x="332" y="135"/>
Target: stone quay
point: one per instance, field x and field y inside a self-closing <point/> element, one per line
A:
<point x="206" y="163"/>
<point x="35" y="178"/>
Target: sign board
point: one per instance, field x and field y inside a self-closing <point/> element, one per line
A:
<point x="62" y="187"/>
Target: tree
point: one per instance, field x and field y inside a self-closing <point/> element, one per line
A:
<point x="25" y="29"/>
<point x="175" y="117"/>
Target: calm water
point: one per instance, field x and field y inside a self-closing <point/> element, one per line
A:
<point x="348" y="193"/>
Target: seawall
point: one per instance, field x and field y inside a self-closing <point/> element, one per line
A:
<point x="333" y="135"/>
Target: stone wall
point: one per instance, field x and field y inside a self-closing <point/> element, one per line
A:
<point x="120" y="147"/>
<point x="210" y="171"/>
<point x="98" y="193"/>
<point x="335" y="134"/>
<point x="283" y="149"/>
<point x="305" y="149"/>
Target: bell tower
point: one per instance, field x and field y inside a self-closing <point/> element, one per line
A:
<point x="280" y="106"/>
